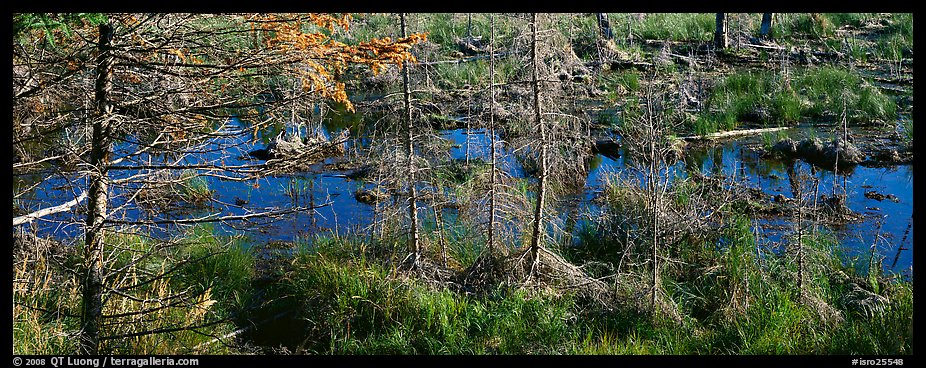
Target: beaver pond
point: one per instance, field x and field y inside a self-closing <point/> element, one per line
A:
<point x="880" y="196"/>
<point x="474" y="183"/>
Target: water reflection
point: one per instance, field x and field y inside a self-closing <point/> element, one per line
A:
<point x="887" y="224"/>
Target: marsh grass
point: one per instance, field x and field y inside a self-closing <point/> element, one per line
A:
<point x="815" y="94"/>
<point x="44" y="315"/>
<point x="352" y="305"/>
<point x="676" y="27"/>
<point x="906" y="125"/>
<point x="472" y="74"/>
<point x="212" y="272"/>
<point x="739" y="297"/>
<point x="734" y="297"/>
<point x="896" y="41"/>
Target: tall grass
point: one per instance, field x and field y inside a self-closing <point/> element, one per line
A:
<point x="353" y="306"/>
<point x="814" y="94"/>
<point x="44" y="312"/>
<point x="474" y="73"/>
<point x="677" y="26"/>
<point x="830" y="89"/>
<point x="907" y="130"/>
<point x="445" y="29"/>
<point x="734" y="295"/>
<point x="211" y="271"/>
<point x="896" y="40"/>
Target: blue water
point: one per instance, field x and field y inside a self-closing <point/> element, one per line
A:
<point x="477" y="143"/>
<point x="884" y="225"/>
<point x="337" y="210"/>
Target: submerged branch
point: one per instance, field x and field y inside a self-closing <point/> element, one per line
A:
<point x="215" y="218"/>
<point x="732" y="133"/>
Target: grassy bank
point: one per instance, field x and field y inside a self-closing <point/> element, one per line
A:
<point x="731" y="301"/>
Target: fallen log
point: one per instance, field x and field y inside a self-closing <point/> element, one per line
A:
<point x="765" y="47"/>
<point x="732" y="133"/>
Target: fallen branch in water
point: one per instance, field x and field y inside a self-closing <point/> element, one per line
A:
<point x="732" y="133"/>
<point x="49" y="211"/>
<point x="215" y="218"/>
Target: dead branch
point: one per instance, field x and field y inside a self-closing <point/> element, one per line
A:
<point x="215" y="218"/>
<point x="49" y="211"/>
<point x="732" y="133"/>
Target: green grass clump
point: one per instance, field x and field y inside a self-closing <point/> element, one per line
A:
<point x="907" y="130"/>
<point x="352" y="306"/>
<point x="223" y="264"/>
<point x="713" y="122"/>
<point x="677" y="27"/>
<point x="814" y="94"/>
<point x="195" y="189"/>
<point x="850" y="19"/>
<point x="896" y="40"/>
<point x="803" y="25"/>
<point x="894" y="331"/>
<point x="733" y="296"/>
<point x="829" y="90"/>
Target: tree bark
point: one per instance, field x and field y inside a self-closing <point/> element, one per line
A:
<point x="537" y="231"/>
<point x="653" y="176"/>
<point x="413" y="243"/>
<point x="92" y="293"/>
<point x="720" y="31"/>
<point x="604" y="26"/>
<point x="492" y="138"/>
<point x="766" y="25"/>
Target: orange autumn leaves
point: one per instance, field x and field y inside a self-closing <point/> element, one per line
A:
<point x="319" y="58"/>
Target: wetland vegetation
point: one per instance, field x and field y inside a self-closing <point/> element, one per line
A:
<point x="463" y="183"/>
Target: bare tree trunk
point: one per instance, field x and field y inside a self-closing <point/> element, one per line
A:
<point x="92" y="296"/>
<point x="409" y="151"/>
<point x="439" y="223"/>
<point x="492" y="138"/>
<point x="604" y="26"/>
<point x="720" y="31"/>
<point x="630" y="30"/>
<point x="437" y="206"/>
<point x="800" y="248"/>
<point x="766" y="25"/>
<point x="537" y="231"/>
<point x="654" y="200"/>
<point x="800" y="238"/>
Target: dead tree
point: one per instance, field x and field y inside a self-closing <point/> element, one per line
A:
<point x="766" y="25"/>
<point x="537" y="230"/>
<point x="604" y="26"/>
<point x="493" y="143"/>
<point x="720" y="31"/>
<point x="100" y="141"/>
<point x="413" y="243"/>
<point x="645" y="136"/>
<point x="159" y="89"/>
